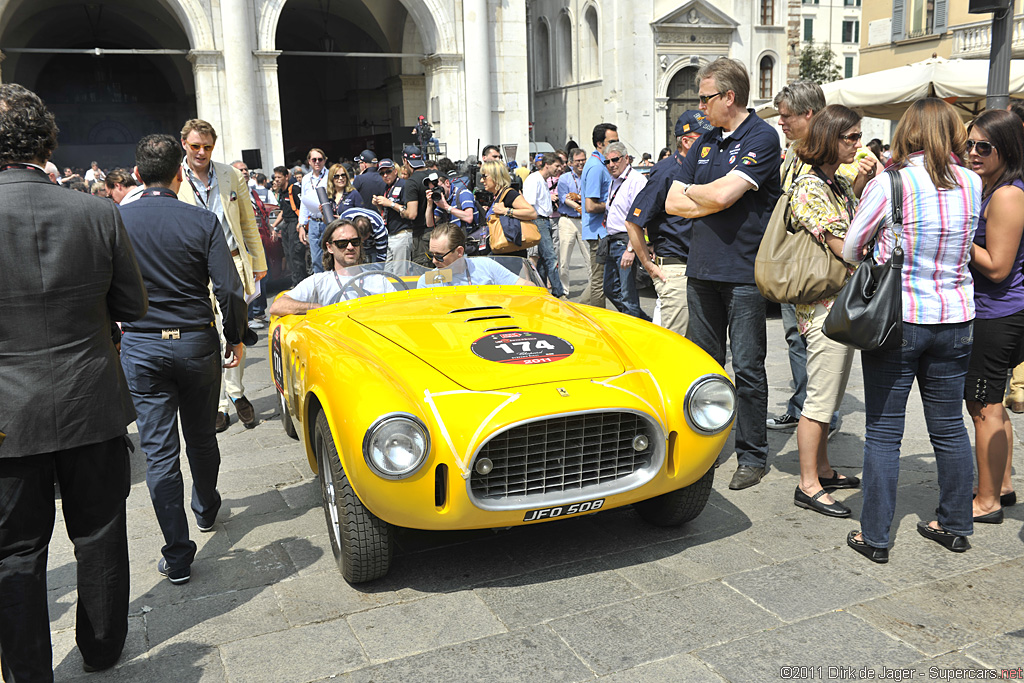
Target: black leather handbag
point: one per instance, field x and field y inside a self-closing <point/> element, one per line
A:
<point x="868" y="311"/>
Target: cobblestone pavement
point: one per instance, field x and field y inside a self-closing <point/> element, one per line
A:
<point x="752" y="590"/>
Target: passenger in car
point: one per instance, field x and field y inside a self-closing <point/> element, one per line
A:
<point x="448" y="251"/>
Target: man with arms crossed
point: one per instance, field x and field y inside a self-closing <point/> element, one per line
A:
<point x="729" y="185"/>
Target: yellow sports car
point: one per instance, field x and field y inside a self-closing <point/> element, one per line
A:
<point x="429" y="402"/>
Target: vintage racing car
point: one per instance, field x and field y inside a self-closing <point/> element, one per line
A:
<point x="427" y="403"/>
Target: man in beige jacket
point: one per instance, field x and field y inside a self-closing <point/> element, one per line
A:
<point x="222" y="189"/>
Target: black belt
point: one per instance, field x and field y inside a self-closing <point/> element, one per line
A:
<point x="619" y="236"/>
<point x="171" y="333"/>
<point x="669" y="261"/>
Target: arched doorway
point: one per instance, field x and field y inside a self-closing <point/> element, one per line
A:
<point x="103" y="104"/>
<point x="347" y="104"/>
<point x="682" y="96"/>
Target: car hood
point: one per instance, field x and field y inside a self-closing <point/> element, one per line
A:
<point x="490" y="341"/>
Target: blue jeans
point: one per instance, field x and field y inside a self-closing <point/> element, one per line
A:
<point x="937" y="356"/>
<point x="797" y="360"/>
<point x="547" y="262"/>
<point x="166" y="376"/>
<point x="620" y="283"/>
<point x="258" y="306"/>
<point x="316" y="253"/>
<point x="721" y="310"/>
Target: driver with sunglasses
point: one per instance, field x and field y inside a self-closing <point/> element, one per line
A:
<point x="343" y="245"/>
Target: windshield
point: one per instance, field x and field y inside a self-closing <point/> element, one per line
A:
<point x="380" y="278"/>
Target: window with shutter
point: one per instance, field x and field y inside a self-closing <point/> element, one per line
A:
<point x="897" y="20"/>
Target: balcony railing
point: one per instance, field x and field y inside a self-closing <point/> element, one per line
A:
<point x="975" y="40"/>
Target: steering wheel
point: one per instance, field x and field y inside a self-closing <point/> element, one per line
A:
<point x="356" y="279"/>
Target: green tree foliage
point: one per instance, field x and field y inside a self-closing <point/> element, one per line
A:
<point x="818" y="64"/>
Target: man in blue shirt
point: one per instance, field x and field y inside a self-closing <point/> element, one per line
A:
<point x="451" y="267"/>
<point x="729" y="185"/>
<point x="596" y="182"/>
<point x="570" y="208"/>
<point x="669" y="235"/>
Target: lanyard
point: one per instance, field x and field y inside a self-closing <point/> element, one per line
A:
<point x="611" y="200"/>
<point x="195" y="190"/>
<point x="157" y="192"/>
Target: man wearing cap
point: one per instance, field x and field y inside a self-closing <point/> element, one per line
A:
<point x="729" y="186"/>
<point x="390" y="201"/>
<point x="414" y="203"/>
<point x="669" y="235"/>
<point x="368" y="182"/>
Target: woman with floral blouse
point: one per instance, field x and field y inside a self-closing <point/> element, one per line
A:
<point x="823" y="203"/>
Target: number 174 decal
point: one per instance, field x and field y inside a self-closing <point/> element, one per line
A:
<point x="522" y="348"/>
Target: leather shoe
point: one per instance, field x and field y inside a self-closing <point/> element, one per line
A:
<point x="93" y="668"/>
<point x="877" y="555"/>
<point x="1017" y="406"/>
<point x="833" y="509"/>
<point x="246" y="413"/>
<point x="994" y="517"/>
<point x="837" y="482"/>
<point x="746" y="477"/>
<point x="223" y="421"/>
<point x="949" y="540"/>
<point x="1008" y="499"/>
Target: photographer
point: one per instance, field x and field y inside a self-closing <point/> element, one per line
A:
<point x="448" y="201"/>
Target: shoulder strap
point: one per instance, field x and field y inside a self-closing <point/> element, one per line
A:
<point x="897" y="197"/>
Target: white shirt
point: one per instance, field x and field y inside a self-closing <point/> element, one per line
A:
<point x="310" y="209"/>
<point x="535" y="189"/>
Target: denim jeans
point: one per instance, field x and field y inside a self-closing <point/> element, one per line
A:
<point x="937" y="356"/>
<point x="547" y="264"/>
<point x="620" y="283"/>
<point x="316" y="252"/>
<point x="797" y="360"/>
<point x="721" y="310"/>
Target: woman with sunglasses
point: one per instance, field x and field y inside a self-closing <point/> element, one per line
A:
<point x="941" y="204"/>
<point x="507" y="200"/>
<point x="823" y="203"/>
<point x="995" y="151"/>
<point x="342" y="192"/>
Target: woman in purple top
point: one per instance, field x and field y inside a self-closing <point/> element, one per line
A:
<point x="995" y="150"/>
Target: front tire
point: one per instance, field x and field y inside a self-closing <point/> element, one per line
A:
<point x="286" y="419"/>
<point x="361" y="541"/>
<point x="680" y="506"/>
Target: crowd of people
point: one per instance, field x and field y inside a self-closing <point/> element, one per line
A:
<point x="692" y="222"/>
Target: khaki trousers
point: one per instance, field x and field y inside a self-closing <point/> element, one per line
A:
<point x="675" y="314"/>
<point x="594" y="293"/>
<point x="231" y="386"/>
<point x="569" y="235"/>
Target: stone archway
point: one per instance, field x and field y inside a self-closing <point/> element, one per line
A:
<point x="681" y="94"/>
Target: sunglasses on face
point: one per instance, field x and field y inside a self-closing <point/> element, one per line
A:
<point x="439" y="257"/>
<point x="982" y="148"/>
<point x="196" y="147"/>
<point x="852" y="137"/>
<point x="386" y="171"/>
<point x="315" y="160"/>
<point x="484" y="176"/>
<point x="609" y="160"/>
<point x="343" y="244"/>
<point x="704" y="99"/>
<point x="340" y="175"/>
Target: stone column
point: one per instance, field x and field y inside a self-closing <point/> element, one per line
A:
<point x="477" y="48"/>
<point x="2" y="58"/>
<point x="239" y="73"/>
<point x="273" y="135"/>
<point x="206" y="65"/>
<point x="443" y="82"/>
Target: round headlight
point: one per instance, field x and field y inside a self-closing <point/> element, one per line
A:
<point x="396" y="446"/>
<point x="711" y="404"/>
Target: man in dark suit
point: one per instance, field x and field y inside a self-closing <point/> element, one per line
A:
<point x="68" y="272"/>
<point x="171" y="356"/>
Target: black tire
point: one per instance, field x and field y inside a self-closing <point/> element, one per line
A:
<point x="680" y="506"/>
<point x="361" y="541"/>
<point x="286" y="419"/>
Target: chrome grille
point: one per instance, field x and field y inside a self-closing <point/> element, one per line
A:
<point x="567" y="453"/>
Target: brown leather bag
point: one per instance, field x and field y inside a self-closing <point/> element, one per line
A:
<point x="793" y="267"/>
<point x="507" y="234"/>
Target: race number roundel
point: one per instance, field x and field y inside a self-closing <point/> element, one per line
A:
<point x="522" y="348"/>
<point x="276" y="359"/>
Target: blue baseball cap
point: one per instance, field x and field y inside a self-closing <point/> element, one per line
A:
<point x="692" y="122"/>
<point x="413" y="155"/>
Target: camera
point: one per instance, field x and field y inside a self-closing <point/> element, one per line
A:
<point x="432" y="182"/>
<point x="436" y="195"/>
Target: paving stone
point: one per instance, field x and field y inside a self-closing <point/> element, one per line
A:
<point x="301" y="496"/>
<point x="259" y="477"/>
<point x="261" y="455"/>
<point x="810" y="643"/>
<point x="318" y="597"/>
<point x="312" y="555"/>
<point x="661" y="626"/>
<point x="182" y="663"/>
<point x="536" y="597"/>
<point x="1004" y="651"/>
<point x="215" y="620"/>
<point x="533" y="654"/>
<point x="679" y="668"/>
<point x="260" y="530"/>
<point x="67" y="659"/>
<point x="447" y="569"/>
<point x="806" y="586"/>
<point x="408" y="628"/>
<point x="953" y="613"/>
<point x="303" y="653"/>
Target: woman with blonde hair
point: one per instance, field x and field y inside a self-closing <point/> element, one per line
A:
<point x="341" y="191"/>
<point x="941" y="205"/>
<point x="507" y="200"/>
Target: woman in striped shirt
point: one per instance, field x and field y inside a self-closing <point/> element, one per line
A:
<point x="941" y="204"/>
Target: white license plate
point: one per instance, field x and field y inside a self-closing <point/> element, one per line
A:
<point x="563" y="510"/>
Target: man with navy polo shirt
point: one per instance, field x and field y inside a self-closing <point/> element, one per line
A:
<point x="596" y="181"/>
<point x="669" y="235"/>
<point x="729" y="185"/>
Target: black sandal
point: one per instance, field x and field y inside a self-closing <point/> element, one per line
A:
<point x="838" y="482"/>
<point x="877" y="555"/>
